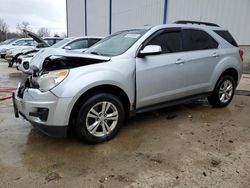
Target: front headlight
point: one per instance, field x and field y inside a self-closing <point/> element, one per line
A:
<point x="30" y="55"/>
<point x="52" y="79"/>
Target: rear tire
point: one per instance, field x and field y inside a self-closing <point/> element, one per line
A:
<point x="223" y="92"/>
<point x="100" y="118"/>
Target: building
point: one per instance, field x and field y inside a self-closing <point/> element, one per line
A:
<point x="103" y="17"/>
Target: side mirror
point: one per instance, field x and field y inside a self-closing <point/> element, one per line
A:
<point x="150" y="50"/>
<point x="67" y="48"/>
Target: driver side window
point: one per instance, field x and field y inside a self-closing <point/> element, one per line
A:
<point x="170" y="41"/>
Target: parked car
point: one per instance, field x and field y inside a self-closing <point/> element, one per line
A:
<point x="79" y="44"/>
<point x="17" y="42"/>
<point x="12" y="53"/>
<point x="8" y="41"/>
<point x="130" y="72"/>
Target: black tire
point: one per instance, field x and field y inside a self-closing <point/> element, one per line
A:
<point x="81" y="119"/>
<point x="11" y="63"/>
<point x="214" y="99"/>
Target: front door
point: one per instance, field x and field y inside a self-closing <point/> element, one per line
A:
<point x="159" y="77"/>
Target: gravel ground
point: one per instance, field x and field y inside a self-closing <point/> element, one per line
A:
<point x="190" y="145"/>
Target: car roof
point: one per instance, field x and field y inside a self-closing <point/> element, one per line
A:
<point x="60" y="38"/>
<point x="86" y="37"/>
<point x="24" y="39"/>
<point x="187" y="26"/>
<point x="174" y="25"/>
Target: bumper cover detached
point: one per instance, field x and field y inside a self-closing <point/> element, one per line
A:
<point x="43" y="110"/>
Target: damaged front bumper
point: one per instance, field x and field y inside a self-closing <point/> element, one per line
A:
<point x="43" y="110"/>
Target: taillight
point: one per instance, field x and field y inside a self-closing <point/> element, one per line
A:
<point x="241" y="52"/>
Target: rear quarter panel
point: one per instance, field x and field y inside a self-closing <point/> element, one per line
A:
<point x="230" y="59"/>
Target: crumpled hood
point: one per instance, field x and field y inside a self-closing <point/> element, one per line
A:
<point x="68" y="57"/>
<point x="36" y="38"/>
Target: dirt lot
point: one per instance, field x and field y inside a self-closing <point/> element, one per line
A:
<point x="191" y="145"/>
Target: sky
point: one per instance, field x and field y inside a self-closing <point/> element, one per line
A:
<point x="39" y="13"/>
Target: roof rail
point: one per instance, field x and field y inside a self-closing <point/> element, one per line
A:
<point x="196" y="22"/>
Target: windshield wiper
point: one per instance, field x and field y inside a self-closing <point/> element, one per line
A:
<point x="95" y="53"/>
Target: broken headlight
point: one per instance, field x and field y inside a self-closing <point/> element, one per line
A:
<point x="52" y="79"/>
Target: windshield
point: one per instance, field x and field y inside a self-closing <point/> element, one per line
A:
<point x="117" y="43"/>
<point x="25" y="42"/>
<point x="8" y="41"/>
<point x="61" y="43"/>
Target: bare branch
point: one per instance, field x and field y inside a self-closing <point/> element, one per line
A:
<point x="43" y="32"/>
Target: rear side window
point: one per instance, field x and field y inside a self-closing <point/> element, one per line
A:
<point x="169" y="41"/>
<point x="197" y="40"/>
<point x="93" y="41"/>
<point x="79" y="44"/>
<point x="227" y="36"/>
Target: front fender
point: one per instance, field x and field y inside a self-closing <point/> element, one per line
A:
<point x="82" y="79"/>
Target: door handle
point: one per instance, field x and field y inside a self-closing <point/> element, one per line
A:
<point x="179" y="61"/>
<point x="215" y="55"/>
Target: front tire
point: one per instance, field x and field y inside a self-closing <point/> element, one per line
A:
<point x="223" y="92"/>
<point x="99" y="118"/>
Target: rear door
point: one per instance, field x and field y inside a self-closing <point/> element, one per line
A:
<point x="200" y="55"/>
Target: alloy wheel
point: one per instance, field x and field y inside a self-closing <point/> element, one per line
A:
<point x="226" y="91"/>
<point x="102" y="119"/>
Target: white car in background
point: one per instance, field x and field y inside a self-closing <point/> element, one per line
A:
<point x="77" y="44"/>
<point x="16" y="42"/>
<point x="13" y="53"/>
<point x="8" y="41"/>
<point x="37" y="42"/>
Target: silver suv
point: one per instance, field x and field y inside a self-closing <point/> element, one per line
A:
<point x="129" y="72"/>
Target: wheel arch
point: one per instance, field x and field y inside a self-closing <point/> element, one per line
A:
<point x="112" y="89"/>
<point x="18" y="54"/>
<point x="228" y="71"/>
<point x="232" y="72"/>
